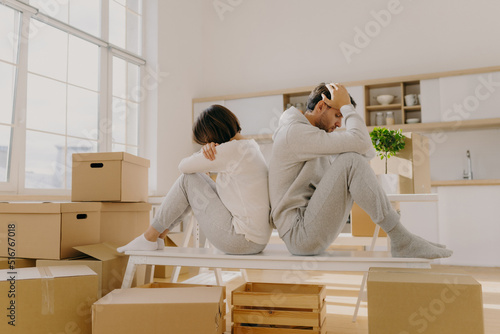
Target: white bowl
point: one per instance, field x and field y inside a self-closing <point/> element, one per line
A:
<point x="385" y="99"/>
<point x="412" y="120"/>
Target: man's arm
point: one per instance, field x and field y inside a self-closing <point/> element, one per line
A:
<point x="308" y="141"/>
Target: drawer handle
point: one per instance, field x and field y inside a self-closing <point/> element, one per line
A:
<point x="96" y="165"/>
<point x="81" y="216"/>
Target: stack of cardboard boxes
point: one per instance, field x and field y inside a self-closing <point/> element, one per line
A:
<point x="73" y="245"/>
<point x="74" y="287"/>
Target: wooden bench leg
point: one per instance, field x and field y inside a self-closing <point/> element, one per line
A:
<point x="129" y="273"/>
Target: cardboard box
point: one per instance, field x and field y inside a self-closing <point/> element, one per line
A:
<point x="168" y="285"/>
<point x="13" y="263"/>
<point x="165" y="285"/>
<point x="48" y="230"/>
<point x="278" y="308"/>
<point x="47" y="300"/>
<point x="423" y="301"/>
<point x="412" y="164"/>
<point x="101" y="258"/>
<point x="123" y="222"/>
<point x="195" y="310"/>
<point x="361" y="223"/>
<point x="113" y="177"/>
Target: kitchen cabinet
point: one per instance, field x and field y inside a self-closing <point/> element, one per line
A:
<point x="469" y="224"/>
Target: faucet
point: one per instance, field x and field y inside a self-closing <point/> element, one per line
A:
<point x="468" y="176"/>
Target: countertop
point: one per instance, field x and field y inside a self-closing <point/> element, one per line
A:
<point x="487" y="182"/>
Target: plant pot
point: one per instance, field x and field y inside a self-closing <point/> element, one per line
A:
<point x="389" y="182"/>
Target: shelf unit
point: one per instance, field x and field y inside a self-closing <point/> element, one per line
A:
<point x="399" y="90"/>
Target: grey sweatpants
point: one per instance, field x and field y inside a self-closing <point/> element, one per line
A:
<point x="348" y="178"/>
<point x="197" y="192"/>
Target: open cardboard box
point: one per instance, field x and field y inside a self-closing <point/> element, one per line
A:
<point x="103" y="259"/>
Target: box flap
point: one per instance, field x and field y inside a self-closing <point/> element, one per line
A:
<point x="163" y="296"/>
<point x="46" y="272"/>
<point x="30" y="207"/>
<point x="48" y="207"/>
<point x="110" y="156"/>
<point x="80" y="207"/>
<point x="113" y="207"/>
<point x="104" y="251"/>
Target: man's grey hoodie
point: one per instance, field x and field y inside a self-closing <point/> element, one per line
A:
<point x="301" y="155"/>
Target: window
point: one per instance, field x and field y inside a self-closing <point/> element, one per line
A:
<point x="125" y="106"/>
<point x="62" y="111"/>
<point x="9" y="29"/>
<point x="63" y="85"/>
<point x="125" y="24"/>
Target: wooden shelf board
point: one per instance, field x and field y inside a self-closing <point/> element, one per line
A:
<point x="412" y="108"/>
<point x="474" y="124"/>
<point x="488" y="182"/>
<point x="383" y="107"/>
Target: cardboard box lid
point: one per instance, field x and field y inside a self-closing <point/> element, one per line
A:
<point x="103" y="252"/>
<point x="111" y="156"/>
<point x="209" y="295"/>
<point x="124" y="207"/>
<point x="48" y="207"/>
<point x="424" y="277"/>
<point x="46" y="272"/>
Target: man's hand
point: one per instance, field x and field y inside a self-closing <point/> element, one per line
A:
<point x="209" y="151"/>
<point x="340" y="96"/>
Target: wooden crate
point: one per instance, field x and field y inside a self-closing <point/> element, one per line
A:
<point x="277" y="308"/>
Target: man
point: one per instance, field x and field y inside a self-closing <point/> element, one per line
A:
<point x="316" y="173"/>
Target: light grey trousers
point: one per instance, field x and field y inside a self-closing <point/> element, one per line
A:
<point x="197" y="192"/>
<point x="348" y="178"/>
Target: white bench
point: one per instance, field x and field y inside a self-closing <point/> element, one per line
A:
<point x="274" y="257"/>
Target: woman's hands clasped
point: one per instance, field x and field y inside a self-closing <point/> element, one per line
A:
<point x="209" y="151"/>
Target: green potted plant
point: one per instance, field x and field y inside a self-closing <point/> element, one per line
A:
<point x="387" y="143"/>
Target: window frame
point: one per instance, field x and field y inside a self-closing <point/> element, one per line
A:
<point x="15" y="186"/>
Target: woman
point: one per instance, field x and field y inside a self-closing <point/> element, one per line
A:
<point x="233" y="211"/>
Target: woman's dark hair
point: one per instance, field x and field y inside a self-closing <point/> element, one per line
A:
<point x="315" y="96"/>
<point x="216" y="124"/>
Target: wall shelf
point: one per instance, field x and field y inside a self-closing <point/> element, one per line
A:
<point x="473" y="124"/>
<point x="383" y="107"/>
<point x="490" y="182"/>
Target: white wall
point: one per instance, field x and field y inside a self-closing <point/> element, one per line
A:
<point x="180" y="54"/>
<point x="261" y="45"/>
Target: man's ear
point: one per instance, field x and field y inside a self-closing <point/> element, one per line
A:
<point x="320" y="106"/>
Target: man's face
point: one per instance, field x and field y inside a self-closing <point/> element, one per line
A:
<point x="329" y="119"/>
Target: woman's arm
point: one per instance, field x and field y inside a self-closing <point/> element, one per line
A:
<point x="227" y="155"/>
